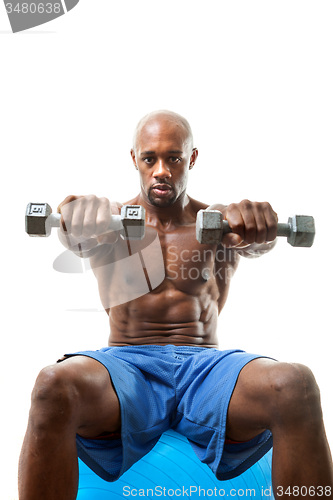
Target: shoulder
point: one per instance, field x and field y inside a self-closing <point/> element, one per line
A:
<point x="199" y="205"/>
<point x="133" y="201"/>
<point x="195" y="205"/>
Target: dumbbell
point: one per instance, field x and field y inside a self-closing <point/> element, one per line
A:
<point x="39" y="220"/>
<point x="210" y="228"/>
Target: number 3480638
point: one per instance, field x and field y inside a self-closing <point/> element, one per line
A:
<point x="304" y="491"/>
<point x="33" y="8"/>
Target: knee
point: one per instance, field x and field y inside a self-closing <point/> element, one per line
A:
<point x="294" y="393"/>
<point x="54" y="397"/>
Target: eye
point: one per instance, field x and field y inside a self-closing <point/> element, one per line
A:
<point x="148" y="159"/>
<point x="175" y="159"/>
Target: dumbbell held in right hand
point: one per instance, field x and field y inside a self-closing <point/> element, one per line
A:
<point x="39" y="220"/>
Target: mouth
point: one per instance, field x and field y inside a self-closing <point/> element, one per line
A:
<point x="161" y="189"/>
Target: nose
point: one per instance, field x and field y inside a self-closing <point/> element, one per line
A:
<point x="161" y="171"/>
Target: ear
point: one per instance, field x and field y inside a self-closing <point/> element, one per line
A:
<point x="133" y="158"/>
<point x="194" y="157"/>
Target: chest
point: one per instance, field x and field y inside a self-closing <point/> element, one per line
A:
<point x="188" y="265"/>
<point x="172" y="260"/>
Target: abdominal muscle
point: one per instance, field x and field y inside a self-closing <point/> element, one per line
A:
<point x="184" y="300"/>
<point x="167" y="317"/>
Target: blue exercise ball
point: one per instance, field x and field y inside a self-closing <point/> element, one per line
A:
<point x="172" y="469"/>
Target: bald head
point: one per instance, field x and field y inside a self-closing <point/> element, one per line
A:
<point x="159" y="119"/>
<point x="163" y="154"/>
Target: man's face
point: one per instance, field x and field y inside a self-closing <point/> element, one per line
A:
<point x="163" y="157"/>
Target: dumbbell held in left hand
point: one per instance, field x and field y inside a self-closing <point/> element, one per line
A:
<point x="210" y="228"/>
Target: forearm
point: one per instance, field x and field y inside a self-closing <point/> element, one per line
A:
<point x="256" y="249"/>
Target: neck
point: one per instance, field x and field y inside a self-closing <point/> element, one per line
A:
<point x="165" y="215"/>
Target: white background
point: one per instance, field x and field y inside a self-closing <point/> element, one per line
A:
<point x="255" y="81"/>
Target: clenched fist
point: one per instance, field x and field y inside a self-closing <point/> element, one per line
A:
<point x="251" y="222"/>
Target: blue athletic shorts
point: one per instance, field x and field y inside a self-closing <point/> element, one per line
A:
<point x="184" y="388"/>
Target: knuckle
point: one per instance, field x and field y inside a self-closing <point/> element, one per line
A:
<point x="70" y="198"/>
<point x="231" y="208"/>
<point x="261" y="229"/>
<point x="65" y="202"/>
<point x="236" y="225"/>
<point x="265" y="205"/>
<point x="251" y="228"/>
<point x="262" y="207"/>
<point x="90" y="199"/>
<point x="246" y="204"/>
<point x="104" y="201"/>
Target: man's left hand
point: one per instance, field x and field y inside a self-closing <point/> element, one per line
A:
<point x="251" y="222"/>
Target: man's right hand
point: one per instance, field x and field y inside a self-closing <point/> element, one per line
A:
<point x="86" y="218"/>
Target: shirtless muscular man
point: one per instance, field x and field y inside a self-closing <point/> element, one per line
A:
<point x="162" y="368"/>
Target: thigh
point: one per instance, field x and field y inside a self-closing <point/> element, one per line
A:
<point x="97" y="402"/>
<point x="249" y="408"/>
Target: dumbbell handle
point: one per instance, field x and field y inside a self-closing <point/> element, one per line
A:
<point x="283" y="228"/>
<point x="116" y="224"/>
